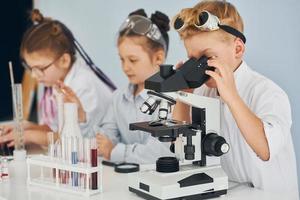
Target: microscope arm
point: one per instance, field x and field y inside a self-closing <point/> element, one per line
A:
<point x="212" y="144"/>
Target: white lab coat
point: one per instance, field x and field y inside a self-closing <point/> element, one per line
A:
<point x="94" y="95"/>
<point x="271" y="104"/>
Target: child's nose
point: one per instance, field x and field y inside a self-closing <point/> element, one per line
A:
<point x="126" y="67"/>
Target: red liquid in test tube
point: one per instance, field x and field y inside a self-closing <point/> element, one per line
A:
<point x="94" y="163"/>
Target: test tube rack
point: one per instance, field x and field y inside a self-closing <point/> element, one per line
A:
<point x="46" y="181"/>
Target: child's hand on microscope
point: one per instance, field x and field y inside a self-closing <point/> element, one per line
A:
<point x="105" y="145"/>
<point x="70" y="96"/>
<point x="224" y="78"/>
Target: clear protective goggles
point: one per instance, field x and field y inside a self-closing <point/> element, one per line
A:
<point x="207" y="22"/>
<point x="143" y="26"/>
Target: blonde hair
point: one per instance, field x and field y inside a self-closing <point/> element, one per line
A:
<point x="225" y="11"/>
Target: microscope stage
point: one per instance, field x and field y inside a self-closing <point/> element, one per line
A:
<point x="161" y="128"/>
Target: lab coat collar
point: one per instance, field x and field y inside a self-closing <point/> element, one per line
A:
<point x="79" y="62"/>
<point x="128" y="93"/>
<point x="240" y="75"/>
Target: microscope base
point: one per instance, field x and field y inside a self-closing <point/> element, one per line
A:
<point x="191" y="182"/>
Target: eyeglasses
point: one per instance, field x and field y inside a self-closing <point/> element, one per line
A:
<point x="143" y="26"/>
<point x="207" y="22"/>
<point x="39" y="71"/>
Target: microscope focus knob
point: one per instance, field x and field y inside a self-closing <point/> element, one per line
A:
<point x="214" y="145"/>
<point x="172" y="148"/>
<point x="224" y="148"/>
<point x="189" y="151"/>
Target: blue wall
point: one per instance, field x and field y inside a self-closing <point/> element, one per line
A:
<point x="272" y="29"/>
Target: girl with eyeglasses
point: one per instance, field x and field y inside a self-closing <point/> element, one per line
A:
<point x="56" y="59"/>
<point x="142" y="45"/>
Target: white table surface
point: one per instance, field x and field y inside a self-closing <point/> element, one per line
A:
<point x="115" y="187"/>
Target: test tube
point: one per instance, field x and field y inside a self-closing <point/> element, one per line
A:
<point x="74" y="160"/>
<point x="5" y="172"/>
<point x="9" y="150"/>
<point x="18" y="116"/>
<point x="80" y="149"/>
<point x="51" y="151"/>
<point x="87" y="150"/>
<point x="94" y="163"/>
<point x="69" y="159"/>
<point x="64" y="149"/>
<point x="87" y="160"/>
<point x="81" y="161"/>
<point x="57" y="154"/>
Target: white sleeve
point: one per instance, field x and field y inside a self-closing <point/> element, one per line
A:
<point x="273" y="108"/>
<point x="146" y="153"/>
<point x="94" y="107"/>
<point x="108" y="125"/>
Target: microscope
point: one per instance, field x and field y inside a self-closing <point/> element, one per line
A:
<point x="194" y="172"/>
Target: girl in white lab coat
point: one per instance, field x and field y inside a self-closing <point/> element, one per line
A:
<point x="55" y="58"/>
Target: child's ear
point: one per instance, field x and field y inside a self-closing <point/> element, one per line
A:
<point x="65" y="61"/>
<point x="159" y="57"/>
<point x="239" y="48"/>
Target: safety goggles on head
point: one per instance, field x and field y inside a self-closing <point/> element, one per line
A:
<point x="208" y="22"/>
<point x="143" y="26"/>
